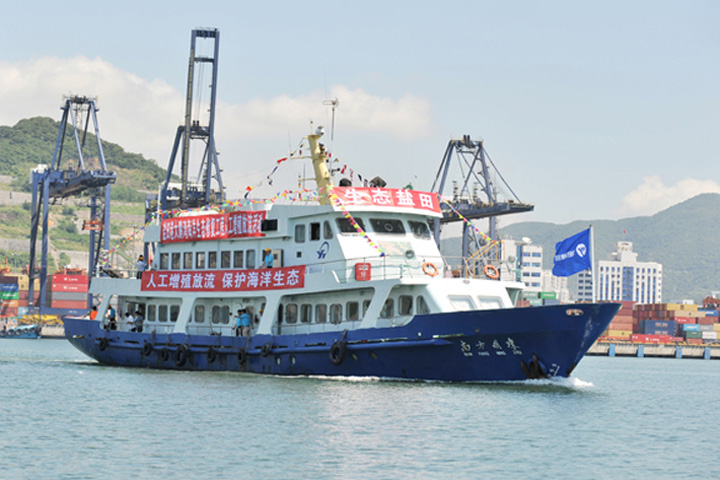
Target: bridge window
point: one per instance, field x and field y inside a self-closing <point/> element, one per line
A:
<point x="387" y="225"/>
<point x="346" y="227"/>
<point x="176" y="261"/>
<point x="419" y="229"/>
<point x="305" y="313"/>
<point x="250" y="259"/>
<point x="220" y="314"/>
<point x="199" y="313"/>
<point x="151" y="313"/>
<point x="300" y="233"/>
<point x="212" y="259"/>
<point x="315" y="231"/>
<point x="200" y="260"/>
<point x="335" y="313"/>
<point x="162" y="313"/>
<point x="174" y="312"/>
<point x="291" y="313"/>
<point x="422" y="306"/>
<point x="388" y="310"/>
<point x="187" y="260"/>
<point x="327" y="230"/>
<point x="164" y="262"/>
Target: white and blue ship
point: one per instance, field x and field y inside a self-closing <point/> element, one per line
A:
<point x="357" y="287"/>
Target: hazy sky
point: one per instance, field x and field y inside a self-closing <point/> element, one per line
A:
<point x="592" y="109"/>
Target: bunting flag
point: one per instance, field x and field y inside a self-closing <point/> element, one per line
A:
<point x="334" y="198"/>
<point x="482" y="235"/>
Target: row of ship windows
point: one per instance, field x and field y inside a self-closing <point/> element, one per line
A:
<point x="227" y="259"/>
<point x="390" y="226"/>
<point x="291" y="313"/>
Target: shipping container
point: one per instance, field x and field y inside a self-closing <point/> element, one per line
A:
<point x="691" y="327"/>
<point x="707" y="320"/>
<point x="691" y="334"/>
<point x="619" y="333"/>
<point x="68" y="304"/>
<point x="709" y="335"/>
<point x="69" y="287"/>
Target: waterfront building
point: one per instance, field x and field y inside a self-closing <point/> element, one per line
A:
<point x="623" y="278"/>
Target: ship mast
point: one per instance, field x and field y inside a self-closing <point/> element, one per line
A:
<point x="319" y="160"/>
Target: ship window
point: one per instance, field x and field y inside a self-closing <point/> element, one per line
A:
<point x="151" y="313"/>
<point x="489" y="303"/>
<point x="300" y="233"/>
<point x="461" y="302"/>
<point x="387" y="225"/>
<point x="220" y="314"/>
<point x="388" y="310"/>
<point x="321" y="313"/>
<point x="346" y="227"/>
<point x="305" y="313"/>
<point x="315" y="231"/>
<point x="327" y="230"/>
<point x="405" y="304"/>
<point x="225" y="259"/>
<point x="162" y="313"/>
<point x="187" y="260"/>
<point x="200" y="260"/>
<point x="291" y="313"/>
<point x="250" y="259"/>
<point x="238" y="259"/>
<point x="163" y="261"/>
<point x="419" y="229"/>
<point x="366" y="305"/>
<point x="422" y="306"/>
<point x="335" y="313"/>
<point x="174" y="312"/>
<point x="199" y="313"/>
<point x="176" y="261"/>
<point x="353" y="310"/>
<point x="212" y="259"/>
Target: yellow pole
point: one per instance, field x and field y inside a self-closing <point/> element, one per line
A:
<point x="319" y="160"/>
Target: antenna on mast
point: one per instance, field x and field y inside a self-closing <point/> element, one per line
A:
<point x="334" y="102"/>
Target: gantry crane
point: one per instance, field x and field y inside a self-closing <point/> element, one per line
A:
<point x="477" y="171"/>
<point x="54" y="183"/>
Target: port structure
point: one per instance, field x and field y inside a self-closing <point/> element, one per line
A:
<point x="482" y="192"/>
<point x="194" y="194"/>
<point x="54" y="183"/>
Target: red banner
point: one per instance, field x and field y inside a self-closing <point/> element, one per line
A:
<point x="212" y="227"/>
<point x="224" y="280"/>
<point x="387" y="197"/>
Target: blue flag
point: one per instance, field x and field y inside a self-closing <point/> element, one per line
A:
<point x="572" y="255"/>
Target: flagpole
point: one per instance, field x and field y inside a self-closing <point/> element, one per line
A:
<point x="592" y="264"/>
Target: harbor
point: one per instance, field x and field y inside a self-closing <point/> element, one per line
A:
<point x="642" y="350"/>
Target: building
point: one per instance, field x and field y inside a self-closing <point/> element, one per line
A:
<point x="623" y="278"/>
<point x="522" y="261"/>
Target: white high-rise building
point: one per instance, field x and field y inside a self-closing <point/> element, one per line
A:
<point x="522" y="261"/>
<point x="624" y="278"/>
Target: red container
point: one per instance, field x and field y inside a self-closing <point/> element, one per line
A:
<point x="80" y="279"/>
<point x="68" y="304"/>
<point x="69" y="287"/>
<point x="706" y="320"/>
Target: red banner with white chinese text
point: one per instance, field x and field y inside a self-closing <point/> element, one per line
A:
<point x="387" y="197"/>
<point x="224" y="280"/>
<point x="212" y="227"/>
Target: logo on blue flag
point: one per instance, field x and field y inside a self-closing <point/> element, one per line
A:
<point x="572" y="255"/>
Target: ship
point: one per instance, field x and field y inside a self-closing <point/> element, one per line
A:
<point x="346" y="283"/>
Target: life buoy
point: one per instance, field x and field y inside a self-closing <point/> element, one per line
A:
<point x="103" y="344"/>
<point x="491" y="272"/>
<point x="429" y="269"/>
<point x="181" y="355"/>
<point x="266" y="349"/>
<point x="211" y="355"/>
<point x="147" y="349"/>
<point x="338" y="352"/>
<point x="242" y="357"/>
<point x="164" y="355"/>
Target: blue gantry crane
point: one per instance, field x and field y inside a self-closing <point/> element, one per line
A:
<point x="482" y="192"/>
<point x="56" y="182"/>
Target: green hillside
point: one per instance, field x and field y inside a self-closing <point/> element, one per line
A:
<point x="32" y="141"/>
<point x="685" y="239"/>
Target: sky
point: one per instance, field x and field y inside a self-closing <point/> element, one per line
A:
<point x="589" y="110"/>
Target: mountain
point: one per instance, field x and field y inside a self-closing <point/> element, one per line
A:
<point x="32" y="141"/>
<point x="684" y="238"/>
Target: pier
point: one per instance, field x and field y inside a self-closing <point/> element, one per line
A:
<point x="640" y="350"/>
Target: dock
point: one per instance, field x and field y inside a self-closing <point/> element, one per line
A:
<point x="706" y="352"/>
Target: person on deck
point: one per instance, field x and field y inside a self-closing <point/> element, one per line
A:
<point x="268" y="259"/>
<point x="245" y="323"/>
<point x="138" y="322"/>
<point x="93" y="312"/>
<point x="112" y="319"/>
<point x="238" y="323"/>
<point x="141" y="266"/>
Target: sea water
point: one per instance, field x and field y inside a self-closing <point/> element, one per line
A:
<point x="66" y="417"/>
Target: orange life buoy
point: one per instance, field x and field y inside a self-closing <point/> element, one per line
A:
<point x="429" y="269"/>
<point x="491" y="272"/>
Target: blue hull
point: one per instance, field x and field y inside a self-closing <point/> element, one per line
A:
<point x="489" y="345"/>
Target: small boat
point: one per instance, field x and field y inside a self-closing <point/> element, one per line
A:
<point x="347" y="283"/>
<point x="21" y="331"/>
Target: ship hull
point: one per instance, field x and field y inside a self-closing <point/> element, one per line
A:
<point x="487" y="345"/>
